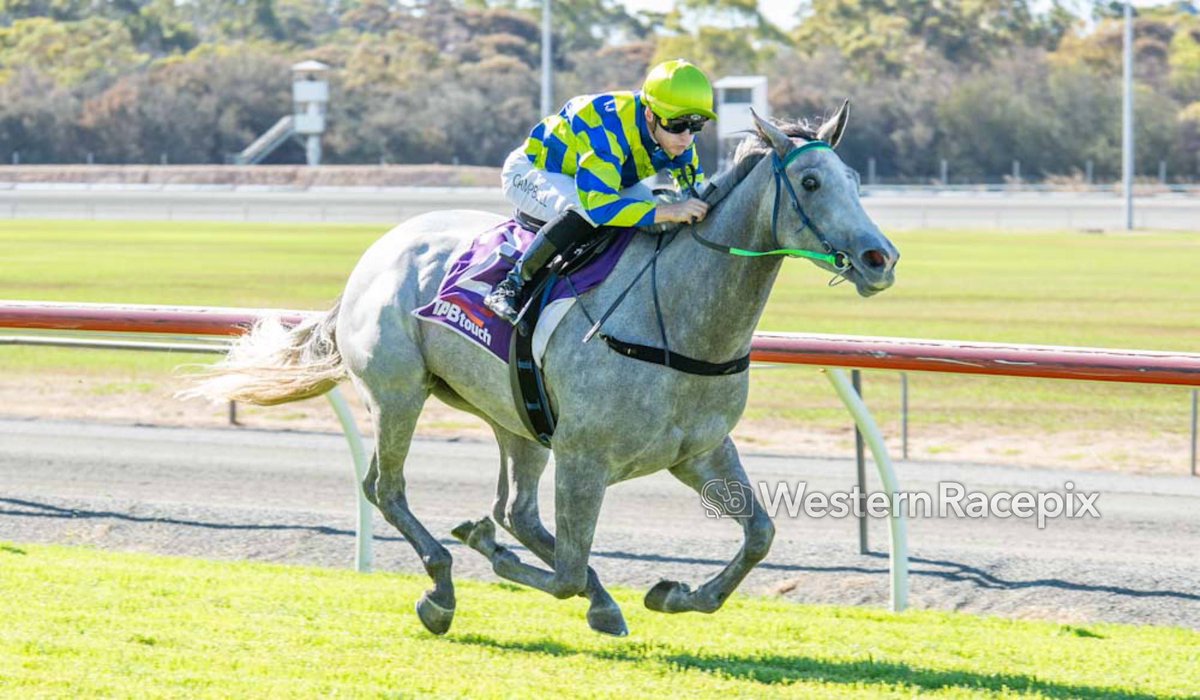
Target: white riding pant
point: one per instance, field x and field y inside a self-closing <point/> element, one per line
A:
<point x="544" y="195"/>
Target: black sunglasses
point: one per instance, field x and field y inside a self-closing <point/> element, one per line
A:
<point x="691" y="122"/>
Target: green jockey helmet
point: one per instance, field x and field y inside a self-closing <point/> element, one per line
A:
<point x="677" y="88"/>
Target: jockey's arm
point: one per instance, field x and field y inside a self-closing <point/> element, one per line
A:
<point x="598" y="181"/>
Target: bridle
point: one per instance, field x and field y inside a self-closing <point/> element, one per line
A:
<point x="836" y="259"/>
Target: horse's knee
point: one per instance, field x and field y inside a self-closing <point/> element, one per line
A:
<point x="759" y="535"/>
<point x="563" y="587"/>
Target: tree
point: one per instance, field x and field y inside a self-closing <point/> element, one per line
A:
<point x="197" y="109"/>
<point x="885" y="37"/>
<point x="620" y="67"/>
<point x="716" y="51"/>
<point x="38" y="119"/>
<point x="158" y="28"/>
<point x="58" y="10"/>
<point x="70" y="53"/>
<point x="579" y="25"/>
<point x="1184" y="61"/>
<point x="232" y="20"/>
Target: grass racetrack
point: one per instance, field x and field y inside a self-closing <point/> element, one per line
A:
<point x="1121" y="290"/>
<point x="77" y="622"/>
<point x="84" y="623"/>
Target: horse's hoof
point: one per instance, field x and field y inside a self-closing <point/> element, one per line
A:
<point x="479" y="535"/>
<point x="607" y="620"/>
<point x="436" y="618"/>
<point x="665" y="596"/>
<point x="463" y="531"/>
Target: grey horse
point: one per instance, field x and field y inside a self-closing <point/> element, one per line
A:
<point x="618" y="417"/>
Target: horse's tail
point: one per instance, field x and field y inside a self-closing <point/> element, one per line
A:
<point x="273" y="364"/>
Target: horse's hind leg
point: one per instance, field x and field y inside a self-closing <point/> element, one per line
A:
<point x="522" y="463"/>
<point x="395" y="413"/>
<point x="720" y="480"/>
<point x="579" y="486"/>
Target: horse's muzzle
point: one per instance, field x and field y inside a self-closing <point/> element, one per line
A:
<point x="874" y="269"/>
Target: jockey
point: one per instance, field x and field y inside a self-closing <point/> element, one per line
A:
<point x="582" y="167"/>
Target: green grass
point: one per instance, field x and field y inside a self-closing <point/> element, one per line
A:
<point x="1123" y="290"/>
<point x="84" y="623"/>
<point x="208" y="264"/>
<point x="1127" y="290"/>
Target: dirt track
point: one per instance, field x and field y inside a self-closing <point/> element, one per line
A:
<point x="287" y="497"/>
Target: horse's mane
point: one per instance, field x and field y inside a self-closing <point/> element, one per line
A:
<point x="753" y="148"/>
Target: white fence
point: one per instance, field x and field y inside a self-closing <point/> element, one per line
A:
<point x="892" y="208"/>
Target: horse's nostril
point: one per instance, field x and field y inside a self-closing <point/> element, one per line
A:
<point x="875" y="259"/>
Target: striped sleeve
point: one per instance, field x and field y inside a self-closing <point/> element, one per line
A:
<point x="599" y="176"/>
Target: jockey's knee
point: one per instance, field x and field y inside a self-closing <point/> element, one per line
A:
<point x="568" y="229"/>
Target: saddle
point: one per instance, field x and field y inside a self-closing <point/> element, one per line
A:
<point x="458" y="305"/>
<point x="525" y="375"/>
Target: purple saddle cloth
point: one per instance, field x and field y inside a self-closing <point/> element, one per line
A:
<point x="459" y="301"/>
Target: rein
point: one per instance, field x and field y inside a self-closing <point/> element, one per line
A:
<point x="836" y="259"/>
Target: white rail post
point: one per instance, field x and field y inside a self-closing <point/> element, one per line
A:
<point x="904" y="415"/>
<point x="860" y="469"/>
<point x="1194" y="412"/>
<point x="897" y="526"/>
<point x="363" y="534"/>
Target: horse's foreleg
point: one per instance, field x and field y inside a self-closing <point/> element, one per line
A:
<point x="578" y="495"/>
<point x="516" y="509"/>
<point x="719" y="479"/>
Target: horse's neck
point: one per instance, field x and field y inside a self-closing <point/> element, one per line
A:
<point x="712" y="301"/>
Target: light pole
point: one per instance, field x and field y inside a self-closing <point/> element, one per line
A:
<point x="1127" y="120"/>
<point x="547" y="75"/>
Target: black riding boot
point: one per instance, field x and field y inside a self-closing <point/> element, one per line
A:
<point x="559" y="233"/>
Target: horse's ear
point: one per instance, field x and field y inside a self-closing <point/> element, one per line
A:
<point x="831" y="131"/>
<point x="772" y="134"/>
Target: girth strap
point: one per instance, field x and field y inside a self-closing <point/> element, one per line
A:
<point x="675" y="361"/>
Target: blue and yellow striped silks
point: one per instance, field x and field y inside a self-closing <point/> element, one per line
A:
<point x="604" y="142"/>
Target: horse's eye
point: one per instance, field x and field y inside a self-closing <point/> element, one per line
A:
<point x="810" y="183"/>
